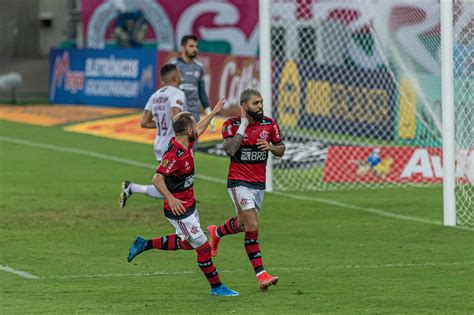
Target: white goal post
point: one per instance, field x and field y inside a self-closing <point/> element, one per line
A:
<point x="447" y="91"/>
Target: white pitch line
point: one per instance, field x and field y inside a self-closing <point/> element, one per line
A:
<point x="378" y="212"/>
<point x="375" y="211"/>
<point x="20" y="273"/>
<point x="328" y="268"/>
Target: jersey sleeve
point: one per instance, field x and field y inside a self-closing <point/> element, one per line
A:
<point x="168" y="165"/>
<point x="227" y="130"/>
<point x="177" y="100"/>
<point x="148" y="104"/>
<point x="275" y="134"/>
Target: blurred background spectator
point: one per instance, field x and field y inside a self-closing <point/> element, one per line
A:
<point x="130" y="29"/>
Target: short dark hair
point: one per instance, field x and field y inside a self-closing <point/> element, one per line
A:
<point x="246" y="94"/>
<point x="182" y="121"/>
<point x="185" y="38"/>
<point x="167" y="69"/>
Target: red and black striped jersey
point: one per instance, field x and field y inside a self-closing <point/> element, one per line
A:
<point x="248" y="165"/>
<point x="177" y="167"/>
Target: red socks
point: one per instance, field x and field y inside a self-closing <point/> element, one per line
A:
<point x="207" y="266"/>
<point x="230" y="226"/>
<point x="170" y="242"/>
<point x="253" y="251"/>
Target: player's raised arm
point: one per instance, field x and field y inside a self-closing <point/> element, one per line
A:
<point x="202" y="125"/>
<point x="231" y="145"/>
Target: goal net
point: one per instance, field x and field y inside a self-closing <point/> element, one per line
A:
<point x="463" y="54"/>
<point x="357" y="92"/>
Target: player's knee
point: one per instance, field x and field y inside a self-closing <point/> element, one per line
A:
<point x="251" y="226"/>
<point x="198" y="241"/>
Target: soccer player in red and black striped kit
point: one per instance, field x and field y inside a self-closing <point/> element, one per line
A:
<point x="247" y="141"/>
<point x="174" y="179"/>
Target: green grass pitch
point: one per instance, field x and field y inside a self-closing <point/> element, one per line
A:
<point x="335" y="252"/>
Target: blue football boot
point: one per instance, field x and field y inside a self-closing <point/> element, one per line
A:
<point x="137" y="247"/>
<point x="223" y="291"/>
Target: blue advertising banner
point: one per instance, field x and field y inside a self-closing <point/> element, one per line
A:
<point x="345" y="100"/>
<point x="112" y="77"/>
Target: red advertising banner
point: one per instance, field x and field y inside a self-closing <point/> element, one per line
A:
<point x="346" y="164"/>
<point x="225" y="76"/>
<point x="231" y="26"/>
<point x="231" y="23"/>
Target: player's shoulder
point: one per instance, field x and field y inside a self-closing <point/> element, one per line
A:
<point x="174" y="61"/>
<point x="267" y="121"/>
<point x="157" y="92"/>
<point x="175" y="90"/>
<point x="234" y="121"/>
<point x="198" y="63"/>
<point x="174" y="151"/>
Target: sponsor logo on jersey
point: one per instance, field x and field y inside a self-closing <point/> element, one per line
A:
<point x="254" y="156"/>
<point x="187" y="166"/>
<point x="158" y="107"/>
<point x="180" y="153"/>
<point x="170" y="166"/>
<point x="277" y="132"/>
<point x="265" y="122"/>
<point x="160" y="99"/>
<point x="189" y="181"/>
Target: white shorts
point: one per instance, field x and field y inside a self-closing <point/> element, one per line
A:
<point x="190" y="229"/>
<point x="158" y="155"/>
<point x="246" y="198"/>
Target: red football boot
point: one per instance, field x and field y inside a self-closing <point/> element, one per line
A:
<point x="265" y="280"/>
<point x="214" y="240"/>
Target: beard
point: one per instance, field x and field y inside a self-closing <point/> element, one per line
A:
<point x="255" y="116"/>
<point x="193" y="137"/>
<point x="191" y="55"/>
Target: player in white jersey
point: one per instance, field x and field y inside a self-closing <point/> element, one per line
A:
<point x="163" y="105"/>
<point x="159" y="111"/>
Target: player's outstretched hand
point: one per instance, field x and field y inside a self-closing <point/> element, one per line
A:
<point x="176" y="206"/>
<point x="264" y="145"/>
<point x="219" y="106"/>
<point x="212" y="124"/>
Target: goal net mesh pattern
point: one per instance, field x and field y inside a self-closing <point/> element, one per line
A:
<point x="357" y="93"/>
